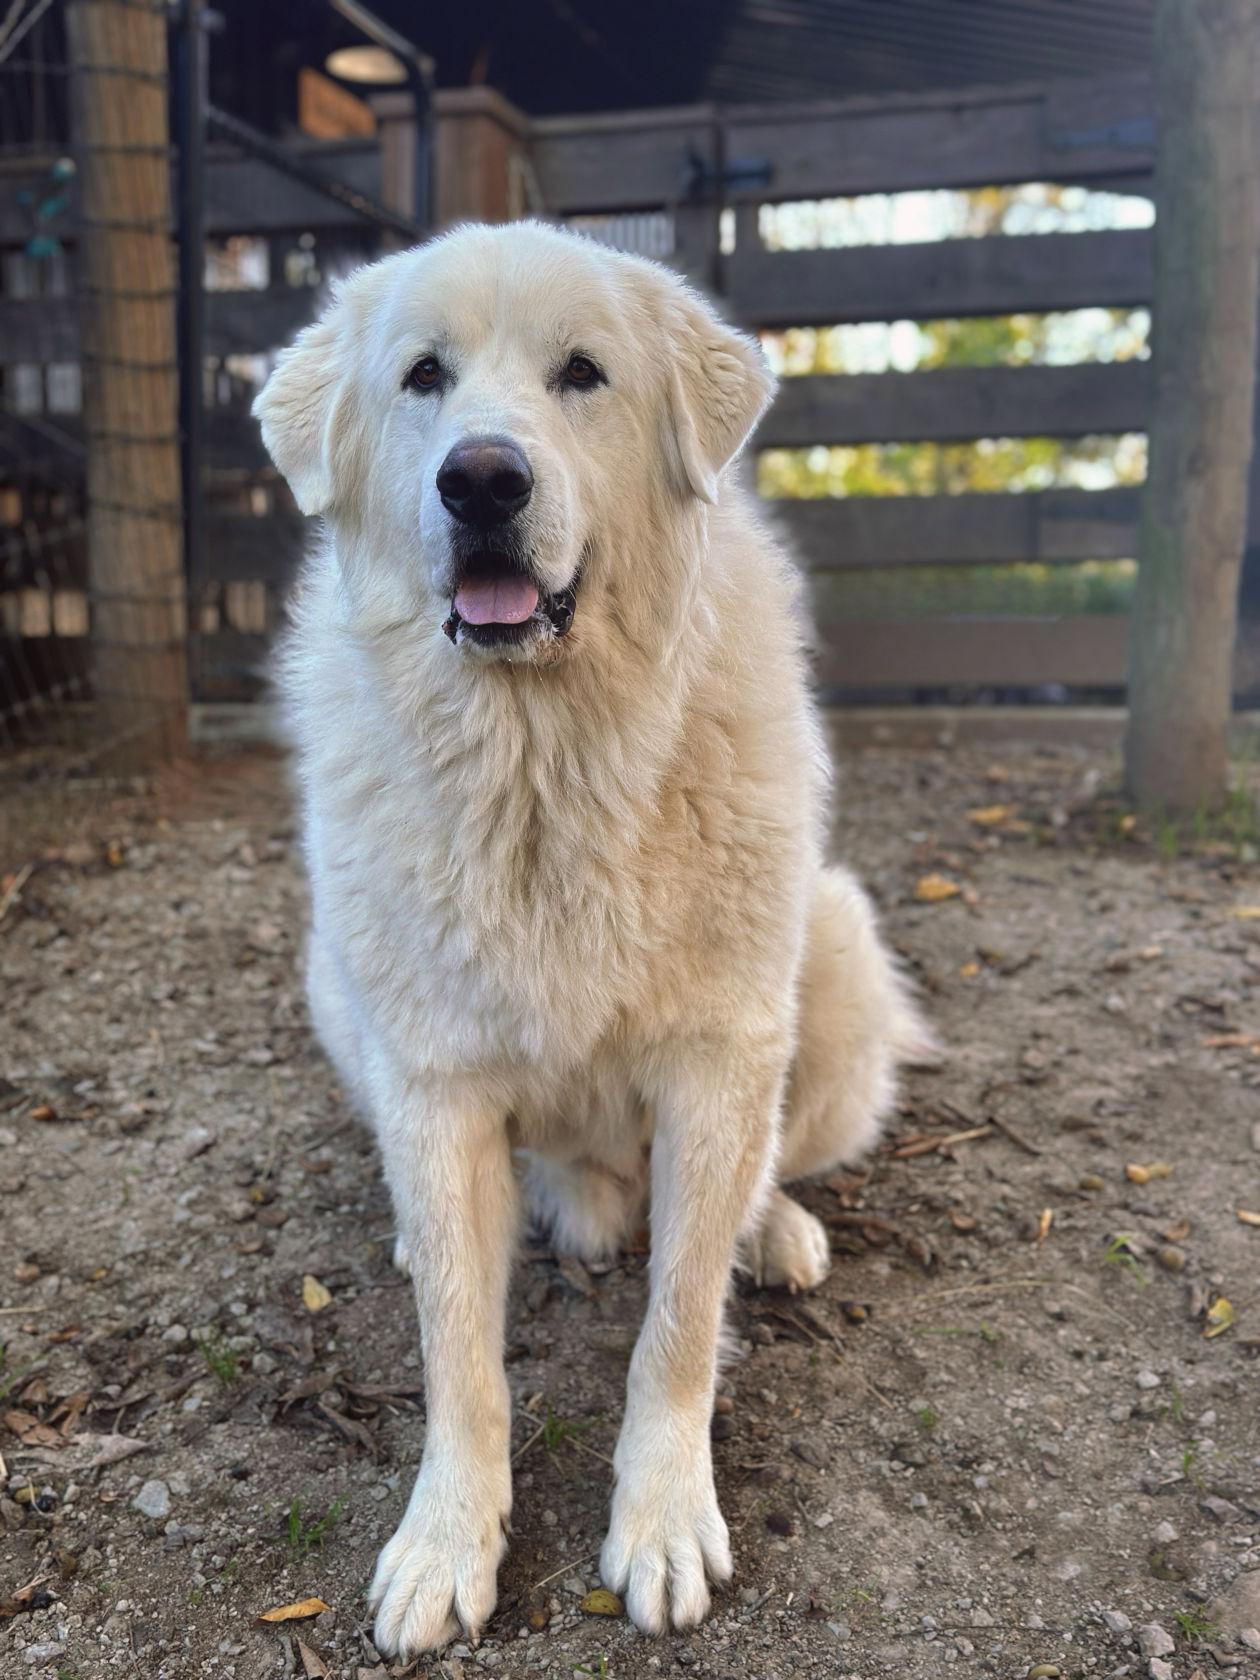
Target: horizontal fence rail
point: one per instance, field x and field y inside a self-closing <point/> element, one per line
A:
<point x="686" y="185"/>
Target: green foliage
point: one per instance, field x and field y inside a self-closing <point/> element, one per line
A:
<point x="1119" y="1253"/>
<point x="9" y="1379"/>
<point x="987" y="465"/>
<point x="219" y="1358"/>
<point x="1194" y="1624"/>
<point x="307" y="1537"/>
<point x="556" y="1429"/>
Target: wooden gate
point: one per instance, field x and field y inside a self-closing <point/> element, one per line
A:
<point x="689" y="186"/>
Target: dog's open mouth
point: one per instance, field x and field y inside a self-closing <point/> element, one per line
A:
<point x="497" y="602"/>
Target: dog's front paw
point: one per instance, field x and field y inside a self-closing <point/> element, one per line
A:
<point x="666" y="1534"/>
<point x="436" y="1575"/>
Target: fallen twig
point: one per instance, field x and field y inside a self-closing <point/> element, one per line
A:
<point x="1016" y="1138"/>
<point x="14" y="892"/>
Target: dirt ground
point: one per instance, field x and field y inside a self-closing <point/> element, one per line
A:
<point x="1003" y="1439"/>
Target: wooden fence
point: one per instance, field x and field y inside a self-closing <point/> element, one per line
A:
<point x="679" y="183"/>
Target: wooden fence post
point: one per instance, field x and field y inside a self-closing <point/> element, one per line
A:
<point x="1194" y="504"/>
<point x="481" y="170"/>
<point x="118" y="54"/>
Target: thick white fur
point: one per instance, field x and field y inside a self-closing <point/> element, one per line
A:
<point x="570" y="903"/>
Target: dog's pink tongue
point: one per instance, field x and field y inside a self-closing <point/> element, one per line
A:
<point x="497" y="600"/>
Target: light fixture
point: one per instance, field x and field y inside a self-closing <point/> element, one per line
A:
<point x="370" y="64"/>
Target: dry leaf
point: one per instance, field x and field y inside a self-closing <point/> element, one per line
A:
<point x="31" y="1432"/>
<point x="1229" y="1041"/>
<point x="1044" y="1221"/>
<point x="990" y="816"/>
<point x="1246" y="912"/>
<point x="935" y="889"/>
<point x="962" y="1221"/>
<point x="297" y="1612"/>
<point x="1247" y="1217"/>
<point x="969" y="970"/>
<point x="315" y="1297"/>
<point x="601" y="1602"/>
<point x="1220" y="1315"/>
<point x="1176" y="1233"/>
<point x="313" y="1665"/>
<point x="1136" y="1173"/>
<point x="1160" y="1169"/>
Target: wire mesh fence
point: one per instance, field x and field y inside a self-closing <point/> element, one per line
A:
<point x="92" y="596"/>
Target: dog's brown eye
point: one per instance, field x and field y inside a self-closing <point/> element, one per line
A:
<point x="580" y="370"/>
<point x="425" y="375"/>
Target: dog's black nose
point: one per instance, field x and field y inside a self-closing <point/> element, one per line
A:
<point x="484" y="481"/>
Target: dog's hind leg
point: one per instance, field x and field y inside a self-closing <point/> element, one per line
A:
<point x="587" y="1208"/>
<point x="856" y="1022"/>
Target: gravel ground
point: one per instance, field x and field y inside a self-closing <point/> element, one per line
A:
<point x="999" y="1441"/>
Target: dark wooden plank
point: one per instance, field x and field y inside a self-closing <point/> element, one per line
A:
<point x="243" y="195"/>
<point x="47" y="329"/>
<point x="994" y="276"/>
<point x="1084" y="651"/>
<point x="229" y="665"/>
<point x="1096" y="127"/>
<point x="1049" y="526"/>
<point x="1081" y="652"/>
<point x="627" y="161"/>
<point x="958" y="403"/>
<point x="251" y="322"/>
<point x="239" y="548"/>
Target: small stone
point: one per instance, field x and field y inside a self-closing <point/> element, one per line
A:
<point x="1147" y="1379"/>
<point x="1164" y="1533"/>
<point x="1118" y="1623"/>
<point x="154" y="1500"/>
<point x="26" y="1271"/>
<point x="42" y="1653"/>
<point x="1044" y="1671"/>
<point x="1221" y="1510"/>
<point x="811" y="1454"/>
<point x="1155" y="1641"/>
<point x="1091" y="1181"/>
<point x="1250" y="1637"/>
<point x="1172" y="1258"/>
<point x="175" y="1334"/>
<point x="918" y="1501"/>
<point x="195" y="1141"/>
<point x="1255" y="1136"/>
<point x="1159" y="1670"/>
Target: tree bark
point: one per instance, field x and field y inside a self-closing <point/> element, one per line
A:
<point x="1194" y="504"/>
<point x="131" y="405"/>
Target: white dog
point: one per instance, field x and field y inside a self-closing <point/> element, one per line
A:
<point x="564" y="799"/>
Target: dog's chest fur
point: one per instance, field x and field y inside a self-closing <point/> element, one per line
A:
<point x="487" y="874"/>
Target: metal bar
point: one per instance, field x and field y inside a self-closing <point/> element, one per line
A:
<point x="190" y="118"/>
<point x="419" y="70"/>
<point x="260" y="145"/>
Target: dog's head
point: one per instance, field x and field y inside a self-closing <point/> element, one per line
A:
<point x="485" y="420"/>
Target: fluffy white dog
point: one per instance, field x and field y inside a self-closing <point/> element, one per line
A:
<point x="564" y="797"/>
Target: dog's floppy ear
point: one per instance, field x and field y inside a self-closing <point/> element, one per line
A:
<point x="720" y="387"/>
<point x="304" y="409"/>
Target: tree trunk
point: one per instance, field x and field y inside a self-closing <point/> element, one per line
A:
<point x="118" y="51"/>
<point x="1194" y="504"/>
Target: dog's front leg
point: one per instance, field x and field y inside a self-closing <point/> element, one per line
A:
<point x="446" y="1152"/>
<point x="716" y="1112"/>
